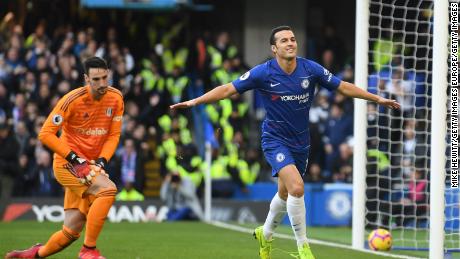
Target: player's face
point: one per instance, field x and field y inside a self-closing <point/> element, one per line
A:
<point x="98" y="79"/>
<point x="285" y="45"/>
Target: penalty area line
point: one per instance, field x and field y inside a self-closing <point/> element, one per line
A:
<point x="311" y="241"/>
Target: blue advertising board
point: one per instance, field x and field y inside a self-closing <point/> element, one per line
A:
<point x="326" y="204"/>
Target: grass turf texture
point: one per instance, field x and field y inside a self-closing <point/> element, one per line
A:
<point x="173" y="240"/>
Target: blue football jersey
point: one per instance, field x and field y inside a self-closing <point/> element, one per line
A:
<point x="287" y="98"/>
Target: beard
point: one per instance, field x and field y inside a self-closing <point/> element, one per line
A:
<point x="102" y="90"/>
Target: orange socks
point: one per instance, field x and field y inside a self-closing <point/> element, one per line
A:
<point x="97" y="214"/>
<point x="58" y="241"/>
<point x="94" y="222"/>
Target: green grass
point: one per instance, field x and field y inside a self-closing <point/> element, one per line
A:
<point x="406" y="238"/>
<point x="343" y="235"/>
<point x="171" y="240"/>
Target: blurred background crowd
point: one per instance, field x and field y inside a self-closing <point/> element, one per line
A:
<point x="159" y="60"/>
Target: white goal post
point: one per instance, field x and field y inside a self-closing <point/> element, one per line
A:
<point x="435" y="114"/>
<point x="439" y="125"/>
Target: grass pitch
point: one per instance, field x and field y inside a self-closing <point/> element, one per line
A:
<point x="188" y="240"/>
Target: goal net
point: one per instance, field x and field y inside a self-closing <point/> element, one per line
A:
<point x="400" y="59"/>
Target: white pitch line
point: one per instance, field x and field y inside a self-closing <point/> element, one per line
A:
<point x="312" y="241"/>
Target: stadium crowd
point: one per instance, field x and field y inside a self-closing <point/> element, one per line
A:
<point x="39" y="67"/>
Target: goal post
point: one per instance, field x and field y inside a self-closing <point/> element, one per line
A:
<point x="359" y="124"/>
<point x="399" y="156"/>
<point x="439" y="126"/>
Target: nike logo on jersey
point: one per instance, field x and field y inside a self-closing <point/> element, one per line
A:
<point x="274" y="84"/>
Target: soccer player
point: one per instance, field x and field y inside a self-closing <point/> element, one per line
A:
<point x="90" y="119"/>
<point x="287" y="85"/>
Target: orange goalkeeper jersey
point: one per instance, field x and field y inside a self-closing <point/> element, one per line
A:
<point x="91" y="128"/>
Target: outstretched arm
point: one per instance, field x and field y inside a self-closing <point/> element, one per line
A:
<point x="216" y="94"/>
<point x="351" y="90"/>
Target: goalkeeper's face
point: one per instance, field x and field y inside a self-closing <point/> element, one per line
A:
<point x="98" y="79"/>
<point x="285" y="45"/>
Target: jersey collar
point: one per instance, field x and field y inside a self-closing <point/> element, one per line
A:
<point x="282" y="71"/>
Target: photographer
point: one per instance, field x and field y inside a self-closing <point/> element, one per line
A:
<point x="179" y="194"/>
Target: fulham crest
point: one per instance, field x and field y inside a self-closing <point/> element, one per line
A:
<point x="108" y="112"/>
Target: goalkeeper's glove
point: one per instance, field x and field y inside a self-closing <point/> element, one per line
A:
<point x="98" y="165"/>
<point x="80" y="168"/>
<point x="101" y="162"/>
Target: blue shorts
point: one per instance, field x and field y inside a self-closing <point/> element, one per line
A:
<point x="278" y="155"/>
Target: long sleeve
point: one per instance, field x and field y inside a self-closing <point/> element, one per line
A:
<point x="111" y="143"/>
<point x="56" y="119"/>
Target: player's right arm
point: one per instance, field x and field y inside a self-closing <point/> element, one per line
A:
<point x="216" y="94"/>
<point x="247" y="81"/>
<point x="52" y="125"/>
<point x="79" y="167"/>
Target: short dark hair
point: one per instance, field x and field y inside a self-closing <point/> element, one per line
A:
<point x="277" y="29"/>
<point x="175" y="178"/>
<point x="94" y="62"/>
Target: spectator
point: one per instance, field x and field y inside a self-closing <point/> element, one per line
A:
<point x="378" y="186"/>
<point x="224" y="46"/>
<point x="403" y="90"/>
<point x="131" y="165"/>
<point x="38" y="35"/>
<point x="22" y="137"/>
<point x="3" y="69"/>
<point x="319" y="114"/>
<point x="19" y="108"/>
<point x="23" y="182"/>
<point x="345" y="103"/>
<point x="81" y="44"/>
<point x="180" y="197"/>
<point x="14" y="66"/>
<point x="9" y="164"/>
<point x="6" y="25"/>
<point x="314" y="174"/>
<point x="342" y="168"/>
<point x="43" y="99"/>
<point x="329" y="62"/>
<point x="338" y="128"/>
<point x="372" y="120"/>
<point x="129" y="193"/>
<point x="414" y="203"/>
<point x="334" y="43"/>
<point x="409" y="146"/>
<point x="43" y="178"/>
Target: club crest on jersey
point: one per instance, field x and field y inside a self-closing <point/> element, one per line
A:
<point x="280" y="157"/>
<point x="108" y="112"/>
<point x="245" y="76"/>
<point x="305" y="83"/>
<point x="57" y="119"/>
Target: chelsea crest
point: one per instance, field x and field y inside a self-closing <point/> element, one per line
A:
<point x="305" y="83"/>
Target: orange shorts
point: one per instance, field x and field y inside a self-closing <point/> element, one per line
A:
<point x="75" y="197"/>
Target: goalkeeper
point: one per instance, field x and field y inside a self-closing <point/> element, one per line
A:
<point x="90" y="119"/>
<point x="287" y="86"/>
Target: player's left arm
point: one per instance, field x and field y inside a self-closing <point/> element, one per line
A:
<point x="351" y="90"/>
<point x="111" y="143"/>
<point x="331" y="82"/>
